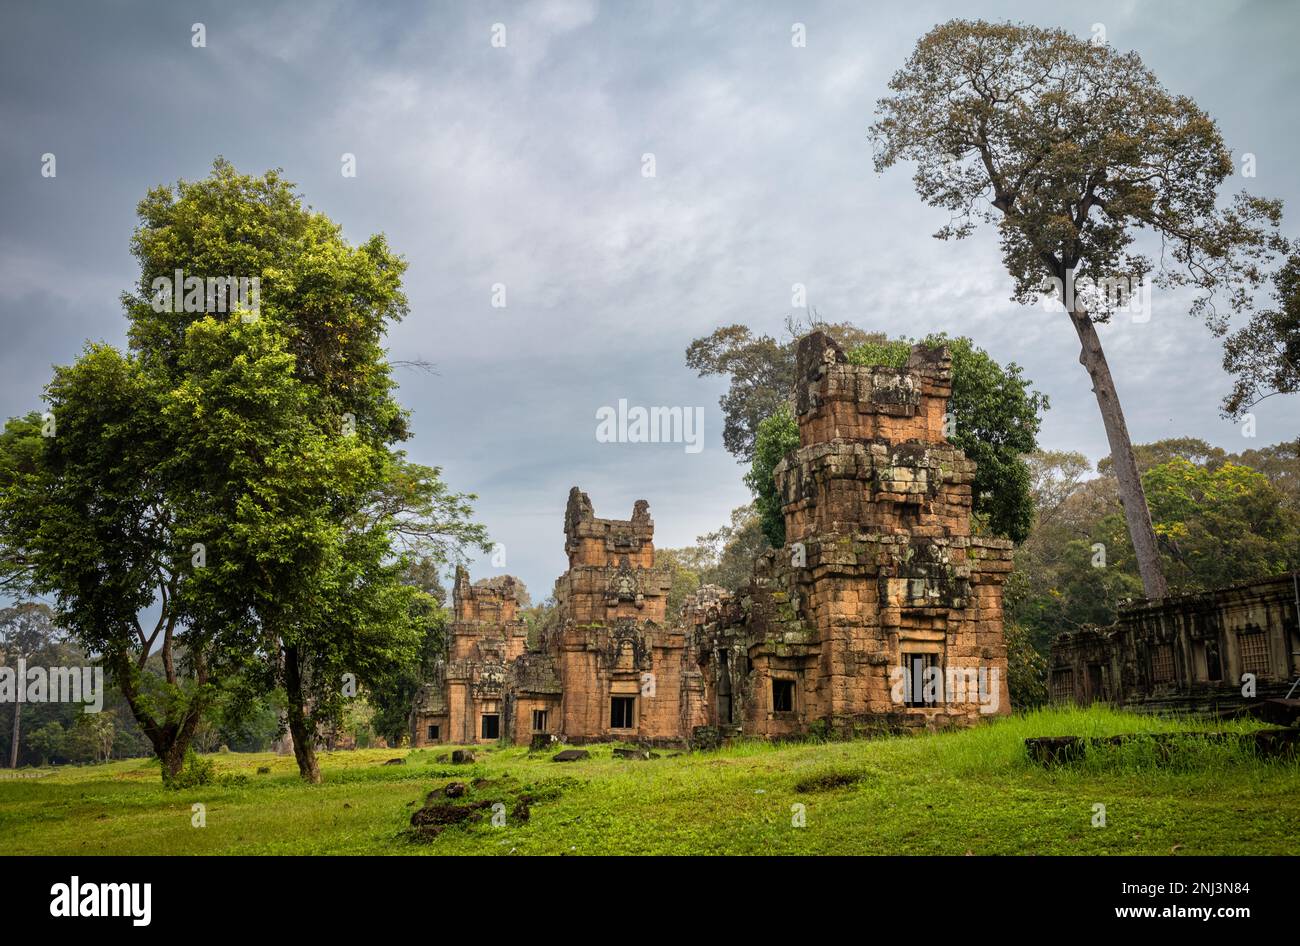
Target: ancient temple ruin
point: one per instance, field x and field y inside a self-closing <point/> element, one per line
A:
<point x="881" y="612"/>
<point x="1212" y="652"/>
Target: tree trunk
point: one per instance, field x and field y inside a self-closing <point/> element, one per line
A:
<point x="170" y="739"/>
<point x="1122" y="461"/>
<point x="13" y="749"/>
<point x="304" y="741"/>
<point x="171" y="752"/>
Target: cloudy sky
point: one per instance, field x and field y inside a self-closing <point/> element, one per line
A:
<point x="522" y="165"/>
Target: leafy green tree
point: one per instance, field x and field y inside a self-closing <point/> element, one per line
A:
<point x="392" y="695"/>
<point x="1218" y="521"/>
<point x="724" y="557"/>
<point x="310" y="507"/>
<point x="1222" y="525"/>
<point x="685" y="580"/>
<point x="25" y="630"/>
<point x="731" y="549"/>
<point x="1026" y="669"/>
<point x="1264" y="355"/>
<point x="1070" y="147"/>
<point x="1280" y="462"/>
<point x="47" y="742"/>
<point x="91" y="738"/>
<point x="88" y="515"/>
<point x="237" y="467"/>
<point x="778" y="435"/>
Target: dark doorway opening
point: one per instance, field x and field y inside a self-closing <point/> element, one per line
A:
<point x="783" y="696"/>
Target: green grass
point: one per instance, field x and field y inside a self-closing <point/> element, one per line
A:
<point x="952" y="793"/>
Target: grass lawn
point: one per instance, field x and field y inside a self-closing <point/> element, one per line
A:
<point x="972" y="791"/>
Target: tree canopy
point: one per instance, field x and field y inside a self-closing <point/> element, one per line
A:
<point x="237" y="467"/>
<point x="1072" y="148"/>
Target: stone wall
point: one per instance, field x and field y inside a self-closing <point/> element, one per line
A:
<point x="1189" y="652"/>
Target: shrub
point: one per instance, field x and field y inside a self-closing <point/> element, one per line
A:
<point x="195" y="771"/>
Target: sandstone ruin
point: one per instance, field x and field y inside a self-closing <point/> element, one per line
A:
<point x="1213" y="652"/>
<point x="883" y="611"/>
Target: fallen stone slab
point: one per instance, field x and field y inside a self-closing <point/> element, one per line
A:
<point x="1279" y="712"/>
<point x="462" y="757"/>
<point x="571" y="755"/>
<point x="395" y="762"/>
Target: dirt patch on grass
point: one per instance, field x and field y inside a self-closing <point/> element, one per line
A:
<point x="828" y="781"/>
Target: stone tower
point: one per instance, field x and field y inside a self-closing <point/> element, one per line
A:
<point x="622" y="667"/>
<point x="882" y="611"/>
<point x="485" y="638"/>
<point x="877" y="504"/>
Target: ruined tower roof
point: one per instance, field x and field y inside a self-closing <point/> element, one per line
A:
<point x="580" y="522"/>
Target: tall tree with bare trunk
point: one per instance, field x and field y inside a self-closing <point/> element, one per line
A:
<point x="1071" y="148"/>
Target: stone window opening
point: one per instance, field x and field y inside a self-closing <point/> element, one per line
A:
<point x="491" y="725"/>
<point x="622" y="712"/>
<point x="783" y="696"/>
<point x="1096" y="682"/>
<point x="539" y="720"/>
<point x="922" y="686"/>
<point x="1208" y="661"/>
<point x="1254" y="652"/>
<point x="433" y="733"/>
<point x="1162" y="664"/>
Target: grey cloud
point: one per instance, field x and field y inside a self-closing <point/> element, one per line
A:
<point x="522" y="166"/>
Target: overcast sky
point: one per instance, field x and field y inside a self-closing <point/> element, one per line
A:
<point x="523" y="165"/>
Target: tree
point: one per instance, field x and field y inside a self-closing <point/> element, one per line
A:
<point x="724" y="557"/>
<point x="25" y="629"/>
<point x="392" y="696"/>
<point x="685" y="580"/>
<point x="312" y="508"/>
<point x="1221" y="525"/>
<point x="1218" y="521"/>
<point x="90" y="738"/>
<point x="47" y="742"/>
<point x="1026" y="669"/>
<point x="88" y="514"/>
<point x="778" y="434"/>
<point x="1280" y="462"/>
<point x="1264" y="355"/>
<point x="730" y="550"/>
<point x="237" y="467"/>
<point x="1071" y="147"/>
